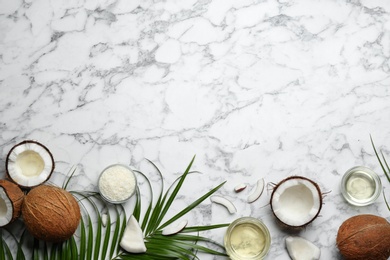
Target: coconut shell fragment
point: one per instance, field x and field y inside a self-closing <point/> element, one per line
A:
<point x="50" y="213"/>
<point x="11" y="200"/>
<point x="364" y="237"/>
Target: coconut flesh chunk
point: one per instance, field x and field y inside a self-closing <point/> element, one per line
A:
<point x="174" y="229"/>
<point x="6" y="208"/>
<point x="257" y="192"/>
<point x="29" y="164"/>
<point x="296" y="201"/>
<point x="133" y="238"/>
<point x="301" y="249"/>
<point x="224" y="202"/>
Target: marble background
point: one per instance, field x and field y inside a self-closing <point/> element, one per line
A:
<point x="256" y="89"/>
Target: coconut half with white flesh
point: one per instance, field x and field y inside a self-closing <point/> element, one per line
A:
<point x="296" y="201"/>
<point x="29" y="164"/>
<point x="11" y="200"/>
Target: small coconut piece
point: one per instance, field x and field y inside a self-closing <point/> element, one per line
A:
<point x="296" y="201"/>
<point x="104" y="219"/>
<point x="174" y="229"/>
<point x="240" y="187"/>
<point x="11" y="199"/>
<point x="29" y="163"/>
<point x="301" y="249"/>
<point x="133" y="239"/>
<point x="50" y="213"/>
<point x="257" y="192"/>
<point x="224" y="202"/>
<point x="364" y="237"/>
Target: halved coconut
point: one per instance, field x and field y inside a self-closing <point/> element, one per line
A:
<point x="11" y="200"/>
<point x="29" y="164"/>
<point x="296" y="201"/>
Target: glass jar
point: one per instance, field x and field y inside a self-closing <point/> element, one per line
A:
<point x="360" y="186"/>
<point x="117" y="183"/>
<point x="247" y="238"/>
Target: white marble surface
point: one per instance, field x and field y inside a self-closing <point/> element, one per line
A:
<point x="253" y="88"/>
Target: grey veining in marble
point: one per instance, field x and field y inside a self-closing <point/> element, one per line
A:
<point x="253" y="88"/>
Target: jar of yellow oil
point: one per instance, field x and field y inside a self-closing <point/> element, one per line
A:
<point x="247" y="238"/>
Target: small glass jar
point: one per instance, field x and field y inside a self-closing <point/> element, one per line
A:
<point x="361" y="186"/>
<point x="117" y="183"/>
<point x="247" y="238"/>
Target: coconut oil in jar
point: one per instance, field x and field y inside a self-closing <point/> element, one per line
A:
<point x="247" y="238"/>
<point x="361" y="186"/>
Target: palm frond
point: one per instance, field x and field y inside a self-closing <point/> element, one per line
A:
<point x="190" y="207"/>
<point x="66" y="182"/>
<point x="96" y="240"/>
<point x="385" y="167"/>
<point x="387" y="203"/>
<point x="175" y="246"/>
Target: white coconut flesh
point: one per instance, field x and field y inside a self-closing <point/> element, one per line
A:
<point x="301" y="249"/>
<point x="29" y="164"/>
<point x="133" y="238"/>
<point x="296" y="201"/>
<point x="6" y="209"/>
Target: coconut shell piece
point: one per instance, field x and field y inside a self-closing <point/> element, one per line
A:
<point x="50" y="213"/>
<point x="364" y="237"/>
<point x="12" y="197"/>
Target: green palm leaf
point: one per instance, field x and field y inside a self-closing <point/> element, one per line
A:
<point x="4" y="248"/>
<point x="385" y="167"/>
<point x="95" y="240"/>
<point x="120" y="225"/>
<point x="107" y="236"/>
<point x="178" y="246"/>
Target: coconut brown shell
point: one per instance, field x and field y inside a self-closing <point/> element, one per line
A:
<point x="50" y="213"/>
<point x="364" y="237"/>
<point x="16" y="195"/>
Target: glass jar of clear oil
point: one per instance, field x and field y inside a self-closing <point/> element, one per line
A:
<point x="247" y="238"/>
<point x="361" y="186"/>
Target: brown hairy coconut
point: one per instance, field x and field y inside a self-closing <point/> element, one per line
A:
<point x="50" y="213"/>
<point x="11" y="200"/>
<point x="296" y="201"/>
<point x="364" y="237"/>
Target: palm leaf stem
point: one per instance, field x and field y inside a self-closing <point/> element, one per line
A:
<point x="382" y="164"/>
<point x="173" y="194"/>
<point x="190" y="207"/>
